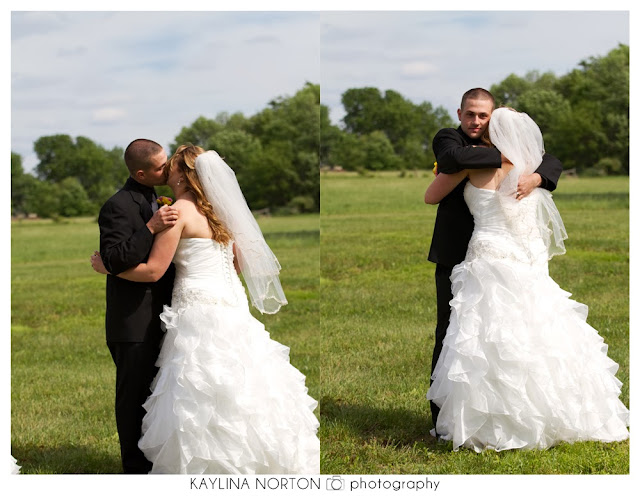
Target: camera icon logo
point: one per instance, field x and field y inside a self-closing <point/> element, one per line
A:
<point x="335" y="483"/>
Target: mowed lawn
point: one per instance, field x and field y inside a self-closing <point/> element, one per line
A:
<point x="378" y="315"/>
<point x="62" y="375"/>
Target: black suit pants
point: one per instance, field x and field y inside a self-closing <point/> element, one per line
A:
<point x="443" y="297"/>
<point x="135" y="370"/>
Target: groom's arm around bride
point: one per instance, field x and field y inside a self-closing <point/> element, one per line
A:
<point x="456" y="150"/>
<point x="127" y="226"/>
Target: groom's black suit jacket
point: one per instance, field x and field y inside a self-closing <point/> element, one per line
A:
<point x="133" y="308"/>
<point x="454" y="223"/>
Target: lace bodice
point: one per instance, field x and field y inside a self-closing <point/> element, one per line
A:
<point x="505" y="229"/>
<point x="205" y="273"/>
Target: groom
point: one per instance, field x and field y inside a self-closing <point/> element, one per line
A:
<point x="455" y="150"/>
<point x="127" y="227"/>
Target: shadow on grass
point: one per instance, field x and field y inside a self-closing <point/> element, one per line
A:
<point x="65" y="459"/>
<point x="392" y="427"/>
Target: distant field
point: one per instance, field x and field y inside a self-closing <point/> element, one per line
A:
<point x="62" y="379"/>
<point x="378" y="313"/>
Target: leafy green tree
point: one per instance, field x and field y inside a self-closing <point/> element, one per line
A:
<point x="293" y="124"/>
<point x="100" y="172"/>
<point x="364" y="108"/>
<point x="16" y="166"/>
<point x="378" y="151"/>
<point x="18" y="185"/>
<point x="509" y="90"/>
<point x="348" y="152"/>
<point x="584" y="115"/>
<point x="415" y="156"/>
<point x="399" y="119"/>
<point x="198" y="133"/>
<point x="273" y="178"/>
<point x="329" y="137"/>
<point x="408" y="127"/>
<point x="235" y="121"/>
<point x="73" y="200"/>
<point x="57" y="157"/>
<point x="43" y="199"/>
<point x="598" y="126"/>
<point x="237" y="147"/>
<point x="290" y="126"/>
<point x="543" y="106"/>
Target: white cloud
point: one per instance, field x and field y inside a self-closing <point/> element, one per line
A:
<point x="418" y="69"/>
<point x="435" y="56"/>
<point x="164" y="69"/>
<point x="116" y="76"/>
<point x="108" y="115"/>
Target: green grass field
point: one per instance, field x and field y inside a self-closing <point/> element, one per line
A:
<point x="62" y="380"/>
<point x="378" y="311"/>
<point x="364" y="345"/>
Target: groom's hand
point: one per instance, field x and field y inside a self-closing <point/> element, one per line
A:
<point x="527" y="183"/>
<point x="165" y="217"/>
<point x="96" y="263"/>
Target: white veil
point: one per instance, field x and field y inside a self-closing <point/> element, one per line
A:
<point x="258" y="264"/>
<point x="519" y="139"/>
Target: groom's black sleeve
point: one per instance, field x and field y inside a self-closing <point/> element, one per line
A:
<point x="549" y="170"/>
<point x="125" y="240"/>
<point x="454" y="154"/>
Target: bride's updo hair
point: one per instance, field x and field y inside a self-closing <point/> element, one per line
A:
<point x="185" y="158"/>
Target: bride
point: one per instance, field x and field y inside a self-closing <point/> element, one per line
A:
<point x="225" y="399"/>
<point x="520" y="367"/>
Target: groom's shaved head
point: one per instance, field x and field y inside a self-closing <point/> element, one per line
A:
<point x="138" y="154"/>
<point x="477" y="94"/>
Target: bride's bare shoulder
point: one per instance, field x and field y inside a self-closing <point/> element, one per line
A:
<point x="186" y="209"/>
<point x="483" y="178"/>
<point x="195" y="223"/>
<point x="184" y="205"/>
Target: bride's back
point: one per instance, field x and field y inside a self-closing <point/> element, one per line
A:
<point x="195" y="223"/>
<point x="488" y="178"/>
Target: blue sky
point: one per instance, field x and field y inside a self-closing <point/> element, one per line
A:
<point x="116" y="76"/>
<point x="437" y="56"/>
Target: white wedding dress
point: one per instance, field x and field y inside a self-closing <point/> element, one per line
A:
<point x="520" y="367"/>
<point x="225" y="400"/>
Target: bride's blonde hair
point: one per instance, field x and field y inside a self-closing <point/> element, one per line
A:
<point x="185" y="158"/>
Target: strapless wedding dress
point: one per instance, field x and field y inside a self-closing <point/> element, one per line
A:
<point x="520" y="367"/>
<point x="225" y="400"/>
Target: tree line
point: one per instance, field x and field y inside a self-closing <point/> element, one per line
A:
<point x="274" y="154"/>
<point x="583" y="115"/>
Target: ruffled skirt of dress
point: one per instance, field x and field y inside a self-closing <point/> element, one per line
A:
<point x="226" y="400"/>
<point x="14" y="467"/>
<point x="520" y="367"/>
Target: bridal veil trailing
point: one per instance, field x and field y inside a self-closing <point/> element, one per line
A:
<point x="520" y="367"/>
<point x="258" y="264"/>
<point x="226" y="400"/>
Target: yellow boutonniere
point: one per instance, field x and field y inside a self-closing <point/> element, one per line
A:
<point x="435" y="168"/>
<point x="164" y="200"/>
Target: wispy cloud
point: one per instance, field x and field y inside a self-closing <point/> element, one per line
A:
<point x="115" y="76"/>
<point x="453" y="51"/>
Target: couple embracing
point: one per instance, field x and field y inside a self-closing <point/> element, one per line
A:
<point x="200" y="386"/>
<point x="515" y="365"/>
